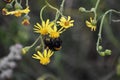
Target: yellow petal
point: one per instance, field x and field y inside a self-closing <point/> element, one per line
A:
<point x="51" y="24"/>
<point x="47" y="22"/>
<point x="38" y="25"/>
<point x="55" y="28"/>
<point x="69" y="18"/>
<point x="35" y="56"/>
<point x="91" y="19"/>
<point x="45" y="53"/>
<point x="40" y="54"/>
<point x="62" y="19"/>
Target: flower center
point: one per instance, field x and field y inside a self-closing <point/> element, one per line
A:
<point x="54" y="34"/>
<point x="44" y="31"/>
<point x="66" y="23"/>
<point x="18" y="14"/>
<point x="45" y="61"/>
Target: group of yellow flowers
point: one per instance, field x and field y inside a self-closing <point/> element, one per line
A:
<point x="53" y="30"/>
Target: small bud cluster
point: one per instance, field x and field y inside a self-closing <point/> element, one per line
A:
<point x="15" y="8"/>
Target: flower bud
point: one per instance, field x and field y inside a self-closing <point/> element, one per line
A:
<point x="25" y="49"/>
<point x="82" y="9"/>
<point x="8" y="6"/>
<point x="25" y="20"/>
<point x="108" y="52"/>
<point x="100" y="48"/>
<point x="102" y="53"/>
<point x="92" y="9"/>
<point x="17" y="6"/>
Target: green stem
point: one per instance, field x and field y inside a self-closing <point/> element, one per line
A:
<point x="97" y="3"/>
<point x="12" y="1"/>
<point x="101" y="26"/>
<point x="62" y="6"/>
<point x="95" y="10"/>
<point x="26" y="2"/>
<point x="16" y="1"/>
<point x="41" y="12"/>
<point x="61" y="10"/>
<point x="35" y="42"/>
<point x="57" y="11"/>
<point x="42" y="43"/>
<point x="20" y="1"/>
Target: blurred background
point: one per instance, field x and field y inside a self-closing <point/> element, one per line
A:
<point x="78" y="58"/>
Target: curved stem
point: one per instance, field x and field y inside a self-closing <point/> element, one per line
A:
<point x="41" y="12"/>
<point x="53" y="8"/>
<point x="101" y="26"/>
<point x="35" y="42"/>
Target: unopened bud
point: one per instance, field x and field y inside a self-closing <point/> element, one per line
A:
<point x="18" y="6"/>
<point x="102" y="53"/>
<point x="92" y="9"/>
<point x="108" y="52"/>
<point x="8" y="6"/>
<point x="25" y="49"/>
<point x="100" y="48"/>
<point x="82" y="9"/>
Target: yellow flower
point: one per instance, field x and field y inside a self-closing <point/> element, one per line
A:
<point x="65" y="23"/>
<point x="54" y="32"/>
<point x="43" y="29"/>
<point x="91" y="24"/>
<point x="18" y="12"/>
<point x="43" y="57"/>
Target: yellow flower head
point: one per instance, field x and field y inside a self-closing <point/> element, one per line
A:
<point x="43" y="29"/>
<point x="43" y="57"/>
<point x="18" y="12"/>
<point x="54" y="32"/>
<point x="65" y="23"/>
<point x="91" y="24"/>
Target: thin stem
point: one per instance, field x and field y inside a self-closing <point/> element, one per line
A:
<point x="54" y="8"/>
<point x="97" y="3"/>
<point x="16" y="1"/>
<point x="41" y="12"/>
<point x="42" y="43"/>
<point x="95" y="9"/>
<point x="101" y="26"/>
<point x="61" y="6"/>
<point x="20" y="1"/>
<point x="12" y="1"/>
<point x="61" y="10"/>
<point x="26" y="2"/>
<point x="35" y="42"/>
